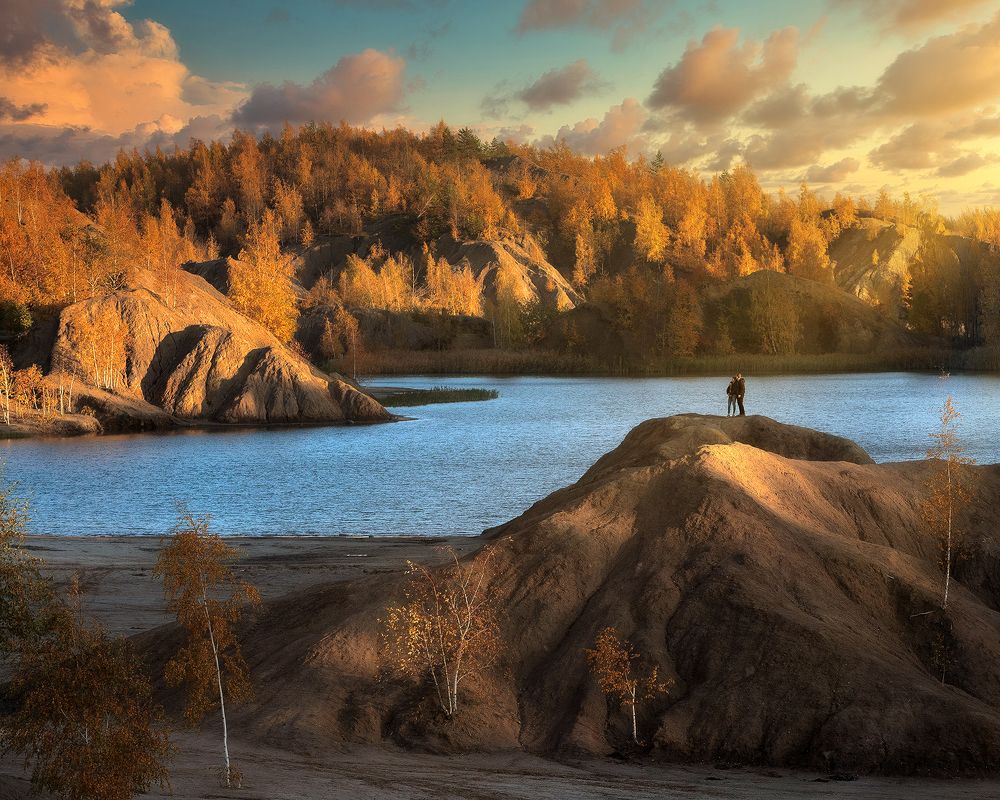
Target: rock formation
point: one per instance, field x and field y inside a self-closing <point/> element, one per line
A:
<point x="187" y="354"/>
<point x="784" y="582"/>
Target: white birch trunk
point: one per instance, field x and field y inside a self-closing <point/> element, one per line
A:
<point x="222" y="697"/>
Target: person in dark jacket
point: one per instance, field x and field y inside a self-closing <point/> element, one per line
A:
<point x="741" y="390"/>
<point x="731" y="397"/>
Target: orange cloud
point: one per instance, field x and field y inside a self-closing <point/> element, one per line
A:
<point x="911" y="15"/>
<point x="717" y="77"/>
<point x="621" y="126"/>
<point x="79" y="64"/>
<point x="356" y="89"/>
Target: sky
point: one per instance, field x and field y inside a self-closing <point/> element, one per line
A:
<point x="849" y="95"/>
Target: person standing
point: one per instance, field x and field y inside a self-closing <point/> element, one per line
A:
<point x="731" y="397"/>
<point x="741" y="390"/>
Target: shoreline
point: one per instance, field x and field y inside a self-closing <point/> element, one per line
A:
<point x="119" y="589"/>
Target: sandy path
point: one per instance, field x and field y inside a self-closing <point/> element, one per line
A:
<point x="120" y="590"/>
<point x="385" y="774"/>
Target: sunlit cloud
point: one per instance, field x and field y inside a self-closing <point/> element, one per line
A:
<point x="356" y="89"/>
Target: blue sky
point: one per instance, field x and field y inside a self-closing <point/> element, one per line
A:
<point x="461" y="50"/>
<point x="848" y="94"/>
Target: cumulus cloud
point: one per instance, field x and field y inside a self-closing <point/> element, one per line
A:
<point x="356" y="89"/>
<point x="559" y="86"/>
<point x="937" y="144"/>
<point x="910" y="15"/>
<point x="620" y="126"/>
<point x="929" y="99"/>
<point x="57" y="146"/>
<point x="518" y="134"/>
<point x="77" y="74"/>
<point x="949" y="72"/>
<point x="12" y="111"/>
<point x="965" y="164"/>
<point x="717" y="77"/>
<point x="917" y="146"/>
<point x="624" y="18"/>
<point x="833" y="173"/>
<point x="23" y="34"/>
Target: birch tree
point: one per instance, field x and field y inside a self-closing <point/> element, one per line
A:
<point x="447" y="629"/>
<point x="948" y="489"/>
<point x="208" y="599"/>
<point x="621" y="674"/>
<point x="6" y="382"/>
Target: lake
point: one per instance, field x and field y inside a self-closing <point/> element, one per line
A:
<point x="456" y="468"/>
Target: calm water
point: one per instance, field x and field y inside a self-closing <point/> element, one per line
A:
<point x="457" y="468"/>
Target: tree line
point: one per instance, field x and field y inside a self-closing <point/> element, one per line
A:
<point x="81" y="231"/>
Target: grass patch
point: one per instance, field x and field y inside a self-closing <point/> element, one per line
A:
<point x="439" y="394"/>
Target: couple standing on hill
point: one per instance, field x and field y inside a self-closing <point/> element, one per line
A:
<point x="735" y="391"/>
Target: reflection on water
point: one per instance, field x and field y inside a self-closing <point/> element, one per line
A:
<point x="455" y="468"/>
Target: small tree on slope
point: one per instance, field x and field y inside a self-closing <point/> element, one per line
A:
<point x="446" y="629"/>
<point x="948" y="489"/>
<point x="207" y="598"/>
<point x="622" y="675"/>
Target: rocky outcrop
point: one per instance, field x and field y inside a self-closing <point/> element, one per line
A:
<point x="190" y="355"/>
<point x="532" y="276"/>
<point x="872" y="261"/>
<point x="784" y="582"/>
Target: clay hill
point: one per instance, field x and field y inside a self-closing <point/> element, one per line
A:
<point x="188" y="356"/>
<point x="535" y="278"/>
<point x="777" y="574"/>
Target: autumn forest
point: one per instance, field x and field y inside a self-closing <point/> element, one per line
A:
<point x="344" y="242"/>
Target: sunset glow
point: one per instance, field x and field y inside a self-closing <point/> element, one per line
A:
<point x="845" y="94"/>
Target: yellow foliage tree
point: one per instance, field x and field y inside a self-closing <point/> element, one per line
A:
<point x="6" y="382"/>
<point x="617" y="666"/>
<point x="453" y="291"/>
<point x="651" y="235"/>
<point x="948" y="490"/>
<point x="208" y="600"/>
<point x="260" y="283"/>
<point x="447" y="628"/>
<point x="87" y="723"/>
<point x="807" y="251"/>
<point x="103" y="347"/>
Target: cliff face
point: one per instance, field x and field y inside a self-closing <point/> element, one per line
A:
<point x="533" y="278"/>
<point x="188" y="353"/>
<point x="780" y="578"/>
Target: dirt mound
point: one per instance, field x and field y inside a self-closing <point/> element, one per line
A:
<point x="775" y="573"/>
<point x="190" y="355"/>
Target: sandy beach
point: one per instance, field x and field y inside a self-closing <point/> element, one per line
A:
<point x="120" y="590"/>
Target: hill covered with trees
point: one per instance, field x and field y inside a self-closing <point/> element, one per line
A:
<point x="381" y="251"/>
